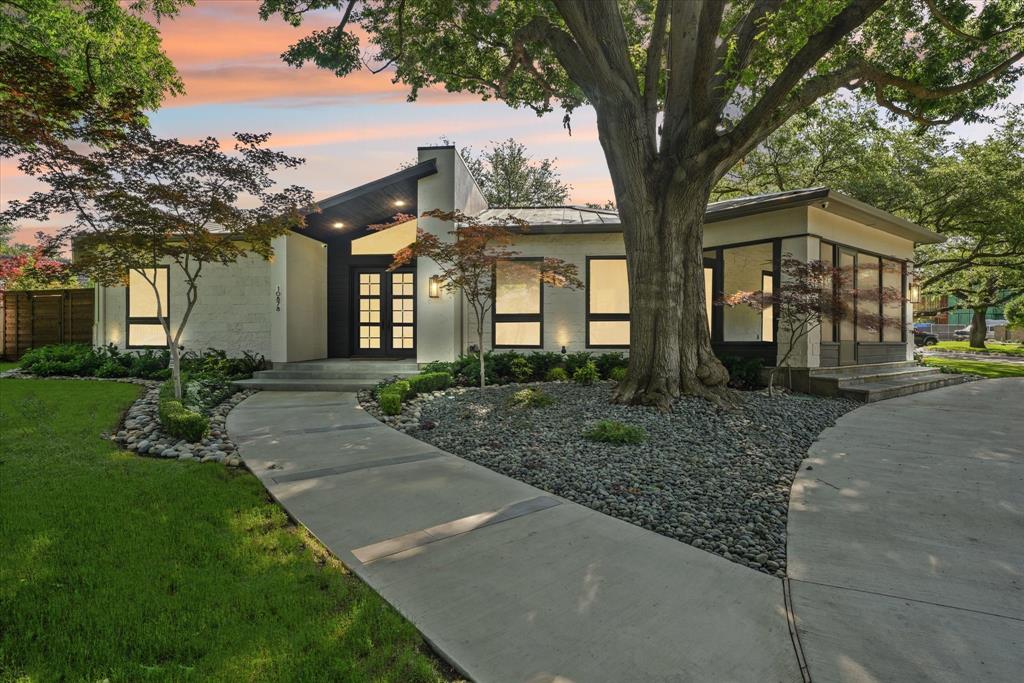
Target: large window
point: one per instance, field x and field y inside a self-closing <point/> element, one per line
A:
<point x="892" y="308"/>
<point x="867" y="298"/>
<point x="518" y="304"/>
<point x="607" y="302"/>
<point x="827" y="256"/>
<point x="144" y="328"/>
<point x="745" y="270"/>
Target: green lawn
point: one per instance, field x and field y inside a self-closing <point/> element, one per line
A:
<point x="125" y="568"/>
<point x="8" y="365"/>
<point x="990" y="369"/>
<point x="990" y="347"/>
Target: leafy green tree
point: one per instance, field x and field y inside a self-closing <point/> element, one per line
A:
<point x="682" y="91"/>
<point x="1014" y="311"/>
<point x="509" y="177"/>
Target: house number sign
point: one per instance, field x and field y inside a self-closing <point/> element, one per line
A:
<point x="278" y="297"/>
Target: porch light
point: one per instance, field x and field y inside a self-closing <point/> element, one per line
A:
<point x="337" y="224"/>
<point x="915" y="293"/>
<point x="399" y="202"/>
<point x="434" y="287"/>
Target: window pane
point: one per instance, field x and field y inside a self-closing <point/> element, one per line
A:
<point x="826" y="257"/>
<point x="386" y="241"/>
<point x="517" y="334"/>
<point x="867" y="298"/>
<point x="609" y="286"/>
<point x="892" y="281"/>
<point x="146" y="335"/>
<point x="609" y="332"/>
<point x="742" y="267"/>
<point x="708" y="294"/>
<point x="767" y="313"/>
<point x="518" y="287"/>
<point x="847" y="286"/>
<point x="142" y="298"/>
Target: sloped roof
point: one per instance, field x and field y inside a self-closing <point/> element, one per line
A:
<point x="553" y="215"/>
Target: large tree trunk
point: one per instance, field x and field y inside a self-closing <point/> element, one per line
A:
<point x="663" y="227"/>
<point x="978" y="329"/>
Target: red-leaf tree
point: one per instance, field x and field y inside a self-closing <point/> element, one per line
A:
<point x="469" y="260"/>
<point x="813" y="293"/>
<point x="29" y="268"/>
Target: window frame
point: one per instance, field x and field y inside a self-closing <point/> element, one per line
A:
<point x="717" y="265"/>
<point x="129" y="320"/>
<point x="497" y="318"/>
<point x="589" y="317"/>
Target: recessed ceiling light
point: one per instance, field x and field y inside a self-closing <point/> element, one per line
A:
<point x="399" y="202"/>
<point x="337" y="224"/>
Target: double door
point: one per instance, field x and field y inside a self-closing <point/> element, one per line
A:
<point x="385" y="313"/>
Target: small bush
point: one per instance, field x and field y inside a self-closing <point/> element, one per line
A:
<point x="615" y="432"/>
<point x="111" y="368"/>
<point x="744" y="373"/>
<point x="466" y="370"/>
<point x="586" y="374"/>
<point x="617" y="374"/>
<point x="62" y="359"/>
<point x="180" y="422"/>
<point x="607" y="362"/>
<point x="390" y="402"/>
<point x="520" y="369"/>
<point x="543" y="362"/>
<point x="557" y="375"/>
<point x="429" y="381"/>
<point x="439" y="366"/>
<point x="575" y="361"/>
<point x="531" y="398"/>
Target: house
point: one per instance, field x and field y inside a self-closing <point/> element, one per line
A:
<point x="328" y="294"/>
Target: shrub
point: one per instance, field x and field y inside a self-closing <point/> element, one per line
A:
<point x="466" y="370"/>
<point x="586" y="374"/>
<point x="439" y="366"/>
<point x="615" y="432"/>
<point x="617" y="374"/>
<point x="575" y="361"/>
<point x="216" y="363"/>
<point x="531" y="398"/>
<point x="429" y="381"/>
<point x="520" y="369"/>
<point x="744" y="373"/>
<point x="543" y="362"/>
<point x="607" y="362"/>
<point x="501" y="364"/>
<point x="390" y="402"/>
<point x="203" y="393"/>
<point x="111" y="368"/>
<point x="557" y="375"/>
<point x="179" y="421"/>
<point x="62" y="359"/>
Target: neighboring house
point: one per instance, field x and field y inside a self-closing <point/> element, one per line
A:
<point x="956" y="315"/>
<point x="328" y="293"/>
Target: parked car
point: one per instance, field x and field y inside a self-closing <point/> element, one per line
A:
<point x="924" y="338"/>
<point x="990" y="325"/>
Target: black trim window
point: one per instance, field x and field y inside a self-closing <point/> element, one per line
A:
<point x="141" y="321"/>
<point x="607" y="314"/>
<point x="518" y="319"/>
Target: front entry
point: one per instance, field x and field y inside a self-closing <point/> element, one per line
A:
<point x="384" y="313"/>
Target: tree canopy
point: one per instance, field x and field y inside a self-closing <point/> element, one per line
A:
<point x="508" y="176"/>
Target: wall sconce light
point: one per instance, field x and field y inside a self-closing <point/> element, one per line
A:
<point x="434" y="287"/>
<point x="563" y="349"/>
<point x="915" y="293"/>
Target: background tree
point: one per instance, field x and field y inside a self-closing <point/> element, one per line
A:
<point x="682" y="91"/>
<point x="140" y="201"/>
<point x="978" y="289"/>
<point x="23" y="267"/>
<point x="509" y="177"/>
<point x="468" y="262"/>
<point x="1014" y="311"/>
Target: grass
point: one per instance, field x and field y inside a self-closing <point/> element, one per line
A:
<point x="990" y="347"/>
<point x="125" y="568"/>
<point x="615" y="432"/>
<point x="984" y="368"/>
<point x="8" y="365"/>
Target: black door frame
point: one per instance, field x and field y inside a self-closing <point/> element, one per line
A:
<point x="386" y="349"/>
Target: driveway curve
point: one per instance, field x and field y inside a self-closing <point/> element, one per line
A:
<point x="906" y="539"/>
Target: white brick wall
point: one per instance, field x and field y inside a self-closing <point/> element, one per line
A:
<point x="233" y="311"/>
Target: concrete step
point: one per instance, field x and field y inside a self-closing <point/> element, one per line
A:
<point x="879" y="390"/>
<point x="307" y="384"/>
<point x="347" y="373"/>
<point x="857" y="370"/>
<point x="340" y="364"/>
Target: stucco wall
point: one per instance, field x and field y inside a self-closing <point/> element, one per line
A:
<point x="232" y="313"/>
<point x="299" y="328"/>
<point x="845" y="231"/>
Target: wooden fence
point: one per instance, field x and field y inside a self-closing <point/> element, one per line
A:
<point x="34" y="318"/>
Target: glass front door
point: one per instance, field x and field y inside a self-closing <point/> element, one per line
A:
<point x="385" y="313"/>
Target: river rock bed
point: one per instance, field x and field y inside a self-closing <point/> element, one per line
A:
<point x="716" y="478"/>
<point x="141" y="432"/>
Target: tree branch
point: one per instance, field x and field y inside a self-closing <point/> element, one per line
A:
<point x="652" y="70"/>
<point x="948" y="24"/>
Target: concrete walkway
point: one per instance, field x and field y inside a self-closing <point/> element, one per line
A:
<point x="906" y="539"/>
<point x="509" y="582"/>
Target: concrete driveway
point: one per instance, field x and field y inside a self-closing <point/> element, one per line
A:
<point x="906" y="539"/>
<point x="509" y="582"/>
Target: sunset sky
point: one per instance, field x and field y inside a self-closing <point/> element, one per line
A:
<point x="349" y="130"/>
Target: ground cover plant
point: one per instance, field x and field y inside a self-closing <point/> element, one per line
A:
<point x="173" y="571"/>
<point x="983" y="368"/>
